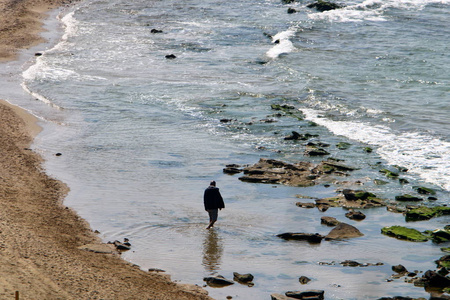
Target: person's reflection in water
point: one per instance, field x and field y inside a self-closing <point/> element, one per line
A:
<point x="212" y="251"/>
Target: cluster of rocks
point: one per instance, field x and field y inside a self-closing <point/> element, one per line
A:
<point x="121" y="246"/>
<point x="220" y="281"/>
<point x="341" y="231"/>
<point x="300" y="174"/>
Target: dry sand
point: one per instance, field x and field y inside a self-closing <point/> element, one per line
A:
<point x="41" y="240"/>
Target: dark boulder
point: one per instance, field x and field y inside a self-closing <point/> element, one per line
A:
<point x="323" y="5"/>
<point x="291" y="11"/>
<point x="305" y="204"/>
<point x="355" y="215"/>
<point x="313" y="151"/>
<point x="170" y="56"/>
<point x="434" y="280"/>
<point x="243" y="278"/>
<point x="313" y="238"/>
<point x="399" y="269"/>
<point x="156" y="31"/>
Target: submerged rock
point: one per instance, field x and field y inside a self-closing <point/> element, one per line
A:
<point x="314" y="151"/>
<point x="404" y="233"/>
<point x="309" y="294"/>
<point x="343" y="231"/>
<point x="355" y="215"/>
<point x="407" y="197"/>
<point x="424" y="191"/>
<point x="217" y="281"/>
<point x="313" y="238"/>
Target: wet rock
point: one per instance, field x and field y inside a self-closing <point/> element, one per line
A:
<point x="283" y="107"/>
<point x="305" y="205"/>
<point x="355" y="215"/>
<point x="304" y="280"/>
<point x="38" y="54"/>
<point x="329" y="221"/>
<point x="291" y="11"/>
<point x="389" y="174"/>
<point x="279" y="297"/>
<point x="400" y="168"/>
<point x="353" y="200"/>
<point x="368" y="149"/>
<point x="343" y="145"/>
<point x="156" y="270"/>
<point x="426" y="213"/>
<point x="434" y="280"/>
<point x="294" y="136"/>
<point x="217" y="281"/>
<point x="170" y="56"/>
<point x="313" y="238"/>
<point x="440" y="236"/>
<point x="243" y="278"/>
<point x="350" y="263"/>
<point x="407" y="197"/>
<point x="380" y="182"/>
<point x="338" y="166"/>
<point x="444" y="262"/>
<point x="322" y="5"/>
<point x="404" y="233"/>
<point x="230" y="170"/>
<point x="424" y="191"/>
<point x="308" y="294"/>
<point x="399" y="269"/>
<point x="155" y="31"/>
<point x="274" y="171"/>
<point x="343" y="231"/>
<point x="313" y="151"/>
<point x="396" y="209"/>
<point x="121" y="246"/>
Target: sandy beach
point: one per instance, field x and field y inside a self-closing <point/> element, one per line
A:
<point x="42" y="242"/>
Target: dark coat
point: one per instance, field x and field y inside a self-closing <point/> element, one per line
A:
<point x="212" y="198"/>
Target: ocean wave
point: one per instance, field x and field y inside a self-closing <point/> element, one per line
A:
<point x="371" y="10"/>
<point x="424" y="155"/>
<point x="40" y="97"/>
<point x="282" y="44"/>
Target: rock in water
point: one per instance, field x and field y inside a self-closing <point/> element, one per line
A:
<point x="343" y="231"/>
<point x="217" y="281"/>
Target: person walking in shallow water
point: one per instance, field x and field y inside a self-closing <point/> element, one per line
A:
<point x="213" y="201"/>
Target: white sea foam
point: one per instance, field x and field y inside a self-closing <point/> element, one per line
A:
<point x="282" y="44"/>
<point x="423" y="155"/>
<point x="371" y="10"/>
<point x="39" y="97"/>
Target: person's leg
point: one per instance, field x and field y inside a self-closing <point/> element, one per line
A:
<point x="213" y="213"/>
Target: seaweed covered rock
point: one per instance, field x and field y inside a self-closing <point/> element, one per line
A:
<point x="424" y="190"/>
<point x="426" y="213"/>
<point x="322" y="5"/>
<point x="353" y="200"/>
<point x="407" y="197"/>
<point x="404" y="233"/>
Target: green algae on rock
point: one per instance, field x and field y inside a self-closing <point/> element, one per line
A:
<point x="404" y="233"/>
<point x="407" y="197"/>
<point x="425" y="213"/>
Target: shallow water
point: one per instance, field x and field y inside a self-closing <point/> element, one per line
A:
<point x="141" y="135"/>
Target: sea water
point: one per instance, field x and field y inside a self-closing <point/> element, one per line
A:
<point x="141" y="135"/>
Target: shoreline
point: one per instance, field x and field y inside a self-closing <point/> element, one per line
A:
<point x="48" y="251"/>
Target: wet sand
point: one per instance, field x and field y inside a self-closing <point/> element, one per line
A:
<point x="42" y="242"/>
